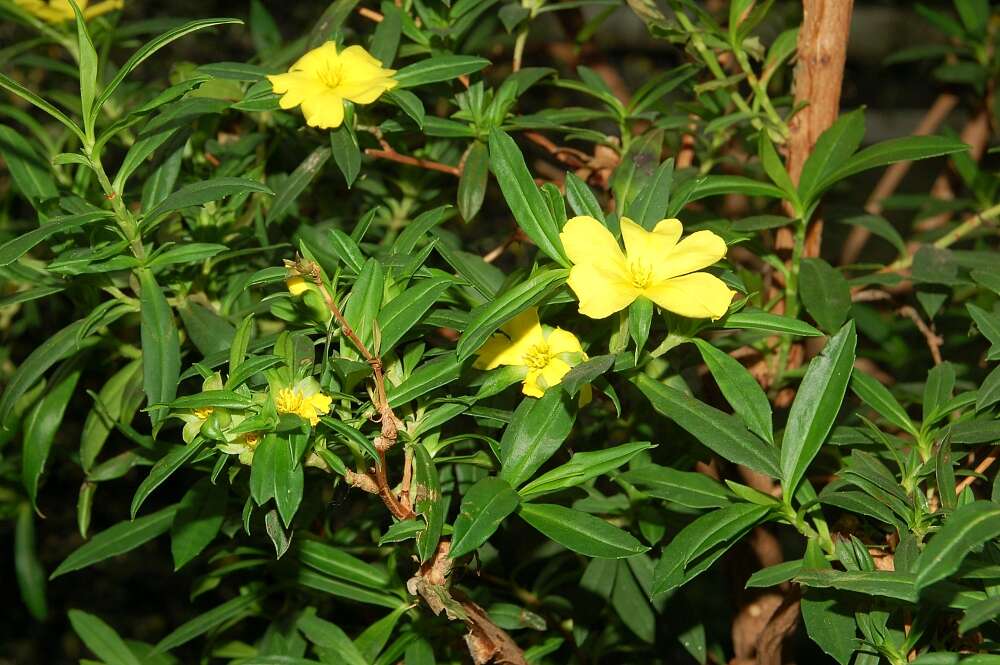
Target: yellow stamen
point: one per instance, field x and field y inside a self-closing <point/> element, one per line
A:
<point x="538" y="357"/>
<point x="288" y="401"/>
<point x="203" y="413"/>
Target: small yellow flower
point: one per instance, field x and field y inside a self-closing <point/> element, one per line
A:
<point x="297" y="285"/>
<point x="244" y="446"/>
<point x="523" y="342"/>
<point x="203" y="413"/>
<point x="59" y="11"/>
<point x="305" y="400"/>
<point x="322" y="79"/>
<point x="656" y="264"/>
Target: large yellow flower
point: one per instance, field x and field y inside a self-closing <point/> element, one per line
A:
<point x="656" y="264"/>
<point x="58" y="11"/>
<point x="305" y="400"/>
<point x="322" y="79"/>
<point x="522" y="342"/>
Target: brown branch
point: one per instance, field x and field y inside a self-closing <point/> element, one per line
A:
<point x="371" y="14"/>
<point x="981" y="468"/>
<point x="430" y="165"/>
<point x="934" y="341"/>
<point x="893" y="176"/>
<point x="778" y="629"/>
<point x="387" y="418"/>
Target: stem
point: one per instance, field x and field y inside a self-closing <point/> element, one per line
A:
<point x="126" y="221"/>
<point x="950" y="238"/>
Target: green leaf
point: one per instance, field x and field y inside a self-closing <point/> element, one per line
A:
<point x="472" y="183"/>
<point x="88" y="67"/>
<point x="334" y="562"/>
<point x="582" y="467"/>
<point x="524" y="198"/>
<point x="221" y="615"/>
<point x="439" y="68"/>
<point x="429" y="376"/>
<point x="581" y="198"/>
<point x="12" y="86"/>
<point x="816" y="406"/>
<point x="148" y="49"/>
<point x="740" y="389"/>
<point x="199" y="193"/>
<point x="685" y="488"/>
<point x="122" y="537"/>
<point x="99" y="636"/>
<point x="833" y="148"/>
<point x="903" y="149"/>
<point x="537" y="428"/>
<point x="163" y="469"/>
<point x="487" y="318"/>
<point x="385" y="39"/>
<point x="40" y="429"/>
<point x="430" y="502"/>
<point x="580" y="532"/>
<point x="980" y="613"/>
<point x="988" y="323"/>
<point x="878" y="397"/>
<point x="823" y="612"/>
<point x="346" y="153"/>
<point x="989" y="391"/>
<point x="720" y="185"/>
<point x="776" y="170"/>
<point x="484" y="507"/>
<point x="640" y="318"/>
<point x="351" y="592"/>
<point x="968" y="527"/>
<point x="329" y="636"/>
<point x="881" y="227"/>
<point x="288" y="478"/>
<point x="650" y="206"/>
<point x="637" y="171"/>
<point x="406" y="310"/>
<point x="719" y="431"/>
<point x="31" y="175"/>
<point x="825" y="293"/>
<point x="776" y="323"/>
<point x="296" y="183"/>
<point x="27" y="566"/>
<point x="161" y="353"/>
<point x="197" y="522"/>
<point x="20" y="245"/>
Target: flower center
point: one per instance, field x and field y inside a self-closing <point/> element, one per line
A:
<point x="288" y="401"/>
<point x="203" y="413"/>
<point x="640" y="273"/>
<point x="538" y="356"/>
<point x="331" y="75"/>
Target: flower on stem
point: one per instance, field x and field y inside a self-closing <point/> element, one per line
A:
<point x="244" y="445"/>
<point x="194" y="419"/>
<point x="656" y="264"/>
<point x="546" y="354"/>
<point x="323" y="79"/>
<point x="60" y="11"/>
<point x="304" y="399"/>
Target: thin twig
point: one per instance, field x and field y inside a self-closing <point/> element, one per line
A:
<point x="985" y="464"/>
<point x="371" y="14"/>
<point x="934" y="341"/>
<point x="394" y="156"/>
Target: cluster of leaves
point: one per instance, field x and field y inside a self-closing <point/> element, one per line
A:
<point x="146" y="234"/>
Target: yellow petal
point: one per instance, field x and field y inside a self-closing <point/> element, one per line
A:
<point x="697" y="296"/>
<point x="321" y="58"/>
<point x="586" y="240"/>
<point x="325" y="111"/>
<point x="296" y="285"/>
<point x="357" y="59"/>
<point x="647" y="251"/>
<point x="531" y="387"/>
<point x="699" y="250"/>
<point x="367" y="91"/>
<point x="296" y="87"/>
<point x="100" y="8"/>
<point x="554" y="372"/>
<point x="563" y="341"/>
<point x="601" y="293"/>
<point x="508" y="347"/>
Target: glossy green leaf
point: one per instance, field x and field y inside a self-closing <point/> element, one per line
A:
<point x="740" y="389"/>
<point x="966" y="528"/>
<point x="472" y="183"/>
<point x="20" y="245"/>
<point x="165" y="467"/>
<point x="439" y="68"/>
<point x="878" y="397"/>
<point x="686" y="488"/>
<point x="160" y="346"/>
<point x="335" y="562"/>
<point x="346" y="153"/>
<point x="581" y="467"/>
<point x="202" y="192"/>
<point x="197" y="522"/>
<point x="537" y="428"/>
<point x="430" y="502"/>
<point x="833" y="148"/>
<point x="766" y="322"/>
<point x="40" y="429"/>
<point x="580" y="532"/>
<point x="404" y="311"/>
<point x="825" y="293"/>
<point x="101" y="638"/>
<point x="484" y="507"/>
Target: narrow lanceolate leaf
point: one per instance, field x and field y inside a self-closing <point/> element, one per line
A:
<point x="40" y="431"/>
<point x="200" y="193"/>
<point x="719" y="431"/>
<point x="472" y="184"/>
<point x="163" y="469"/>
<point x="524" y="198"/>
<point x="825" y="293"/>
<point x="228" y="611"/>
<point x="404" y="311"/>
<point x="31" y="174"/>
<point x="122" y="537"/>
<point x="878" y="397"/>
<point x="537" y="429"/>
<point x="430" y="503"/>
<point x="335" y="562"/>
<point x="27" y="566"/>
<point x="484" y="507"/>
<point x="833" y="148"/>
<point x="439" y="68"/>
<point x="816" y="406"/>
<point x="583" y="467"/>
<point x="161" y="353"/>
<point x="581" y="532"/>
<point x="740" y="389"/>
<point x="757" y="320"/>
<point x="966" y="528"/>
<point x="101" y="639"/>
<point x="487" y="318"/>
<point x="980" y="613"/>
<point x="198" y="521"/>
<point x="296" y="183"/>
<point x="12" y="86"/>
<point x="685" y="488"/>
<point x="87" y="59"/>
<point x="20" y="245"/>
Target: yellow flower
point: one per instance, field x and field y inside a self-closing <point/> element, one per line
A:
<point x="656" y="264"/>
<point x="322" y="79"/>
<point x="305" y="400"/>
<point x="297" y="285"/>
<point x="58" y="11"/>
<point x="523" y="342"/>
